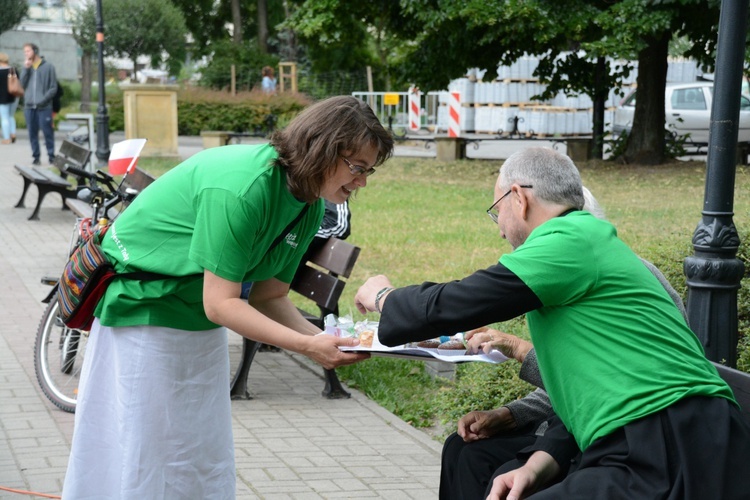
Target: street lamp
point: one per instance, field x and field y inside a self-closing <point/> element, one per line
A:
<point x="714" y="272"/>
<point x="102" y="119"/>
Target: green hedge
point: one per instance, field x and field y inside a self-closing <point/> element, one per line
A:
<point x="202" y="109"/>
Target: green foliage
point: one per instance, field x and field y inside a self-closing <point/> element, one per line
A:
<point x="13" y="12"/>
<point x="203" y="21"/>
<point x="150" y="28"/>
<point x="83" y="24"/>
<point x="247" y="60"/>
<point x="116" y="111"/>
<point x="202" y="109"/>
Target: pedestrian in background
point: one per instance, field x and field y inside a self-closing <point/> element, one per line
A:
<point x="8" y="102"/>
<point x="269" y="81"/>
<point x="39" y="82"/>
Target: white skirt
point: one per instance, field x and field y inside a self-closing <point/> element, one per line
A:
<point x="153" y="416"/>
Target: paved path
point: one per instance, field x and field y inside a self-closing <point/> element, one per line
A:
<point x="290" y="442"/>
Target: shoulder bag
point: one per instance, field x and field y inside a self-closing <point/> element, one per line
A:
<point x="14" y="84"/>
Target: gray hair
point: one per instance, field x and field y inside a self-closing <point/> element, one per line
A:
<point x="591" y="205"/>
<point x="554" y="176"/>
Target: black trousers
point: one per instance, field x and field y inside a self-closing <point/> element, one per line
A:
<point x="698" y="448"/>
<point x="467" y="467"/>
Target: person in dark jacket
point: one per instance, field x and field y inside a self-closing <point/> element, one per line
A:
<point x="39" y="82"/>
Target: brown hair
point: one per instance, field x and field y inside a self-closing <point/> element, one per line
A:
<point x="267" y="71"/>
<point x="310" y="146"/>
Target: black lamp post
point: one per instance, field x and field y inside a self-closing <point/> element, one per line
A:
<point x="714" y="272"/>
<point x="102" y="119"/>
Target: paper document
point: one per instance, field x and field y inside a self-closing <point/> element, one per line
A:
<point x="410" y="352"/>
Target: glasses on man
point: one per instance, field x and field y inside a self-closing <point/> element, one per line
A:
<point x="493" y="215"/>
<point x="357" y="170"/>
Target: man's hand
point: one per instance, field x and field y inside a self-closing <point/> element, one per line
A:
<point x="365" y="298"/>
<point x="478" y="425"/>
<point x="488" y="339"/>
<point x="526" y="480"/>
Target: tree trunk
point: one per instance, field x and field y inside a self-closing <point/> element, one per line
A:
<point x="599" y="98"/>
<point x="86" y="77"/>
<point x="263" y="26"/>
<point x="646" y="141"/>
<point x="236" y="22"/>
<point x="291" y="41"/>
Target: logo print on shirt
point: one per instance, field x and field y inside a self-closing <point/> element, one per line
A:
<point x="291" y="240"/>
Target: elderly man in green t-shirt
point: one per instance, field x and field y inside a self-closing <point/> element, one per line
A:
<point x="626" y="376"/>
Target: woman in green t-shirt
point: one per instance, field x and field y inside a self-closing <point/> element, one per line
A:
<point x="153" y="412"/>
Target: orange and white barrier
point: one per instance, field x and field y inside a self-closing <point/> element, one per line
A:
<point x="454" y="114"/>
<point x="415" y="101"/>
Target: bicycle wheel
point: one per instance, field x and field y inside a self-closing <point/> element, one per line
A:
<point x="58" y="358"/>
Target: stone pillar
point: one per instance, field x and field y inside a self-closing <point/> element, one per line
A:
<point x="450" y="148"/>
<point x="151" y="113"/>
<point x="580" y="149"/>
<point x="214" y="138"/>
<point x="440" y="369"/>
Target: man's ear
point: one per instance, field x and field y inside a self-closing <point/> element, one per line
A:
<point x="521" y="198"/>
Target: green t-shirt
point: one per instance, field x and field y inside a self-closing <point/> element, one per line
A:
<point x="611" y="345"/>
<point x="219" y="210"/>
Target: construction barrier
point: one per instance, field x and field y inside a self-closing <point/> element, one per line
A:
<point x="454" y="114"/>
<point x="415" y="102"/>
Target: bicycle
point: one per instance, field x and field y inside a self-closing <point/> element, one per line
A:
<point x="59" y="351"/>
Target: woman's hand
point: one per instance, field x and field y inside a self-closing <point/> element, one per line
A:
<point x="488" y="339"/>
<point x="478" y="425"/>
<point x="324" y="350"/>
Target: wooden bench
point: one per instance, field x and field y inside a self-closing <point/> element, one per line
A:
<point x="47" y="181"/>
<point x="320" y="280"/>
<point x="137" y="181"/>
<point x="740" y="384"/>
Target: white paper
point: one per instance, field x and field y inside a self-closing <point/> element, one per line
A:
<point x="408" y="352"/>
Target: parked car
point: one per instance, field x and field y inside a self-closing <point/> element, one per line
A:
<point x="688" y="112"/>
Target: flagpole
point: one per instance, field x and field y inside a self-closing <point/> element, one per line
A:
<point x="102" y="119"/>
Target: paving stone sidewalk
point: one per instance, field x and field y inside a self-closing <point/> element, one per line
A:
<point x="290" y="442"/>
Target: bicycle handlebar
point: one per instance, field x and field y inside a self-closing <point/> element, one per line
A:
<point x="99" y="174"/>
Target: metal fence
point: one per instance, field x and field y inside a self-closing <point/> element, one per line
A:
<point x="396" y="116"/>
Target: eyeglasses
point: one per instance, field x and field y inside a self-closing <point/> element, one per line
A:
<point x="492" y="214"/>
<point x="356" y="170"/>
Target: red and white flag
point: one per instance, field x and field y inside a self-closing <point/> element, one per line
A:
<point x="124" y="156"/>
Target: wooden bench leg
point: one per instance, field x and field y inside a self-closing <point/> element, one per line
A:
<point x="333" y="388"/>
<point x="238" y="390"/>
<point x="26" y="184"/>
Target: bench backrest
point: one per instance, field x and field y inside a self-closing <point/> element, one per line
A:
<point x="71" y="154"/>
<point x="321" y="278"/>
<point x="138" y="179"/>
<point x="740" y="384"/>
